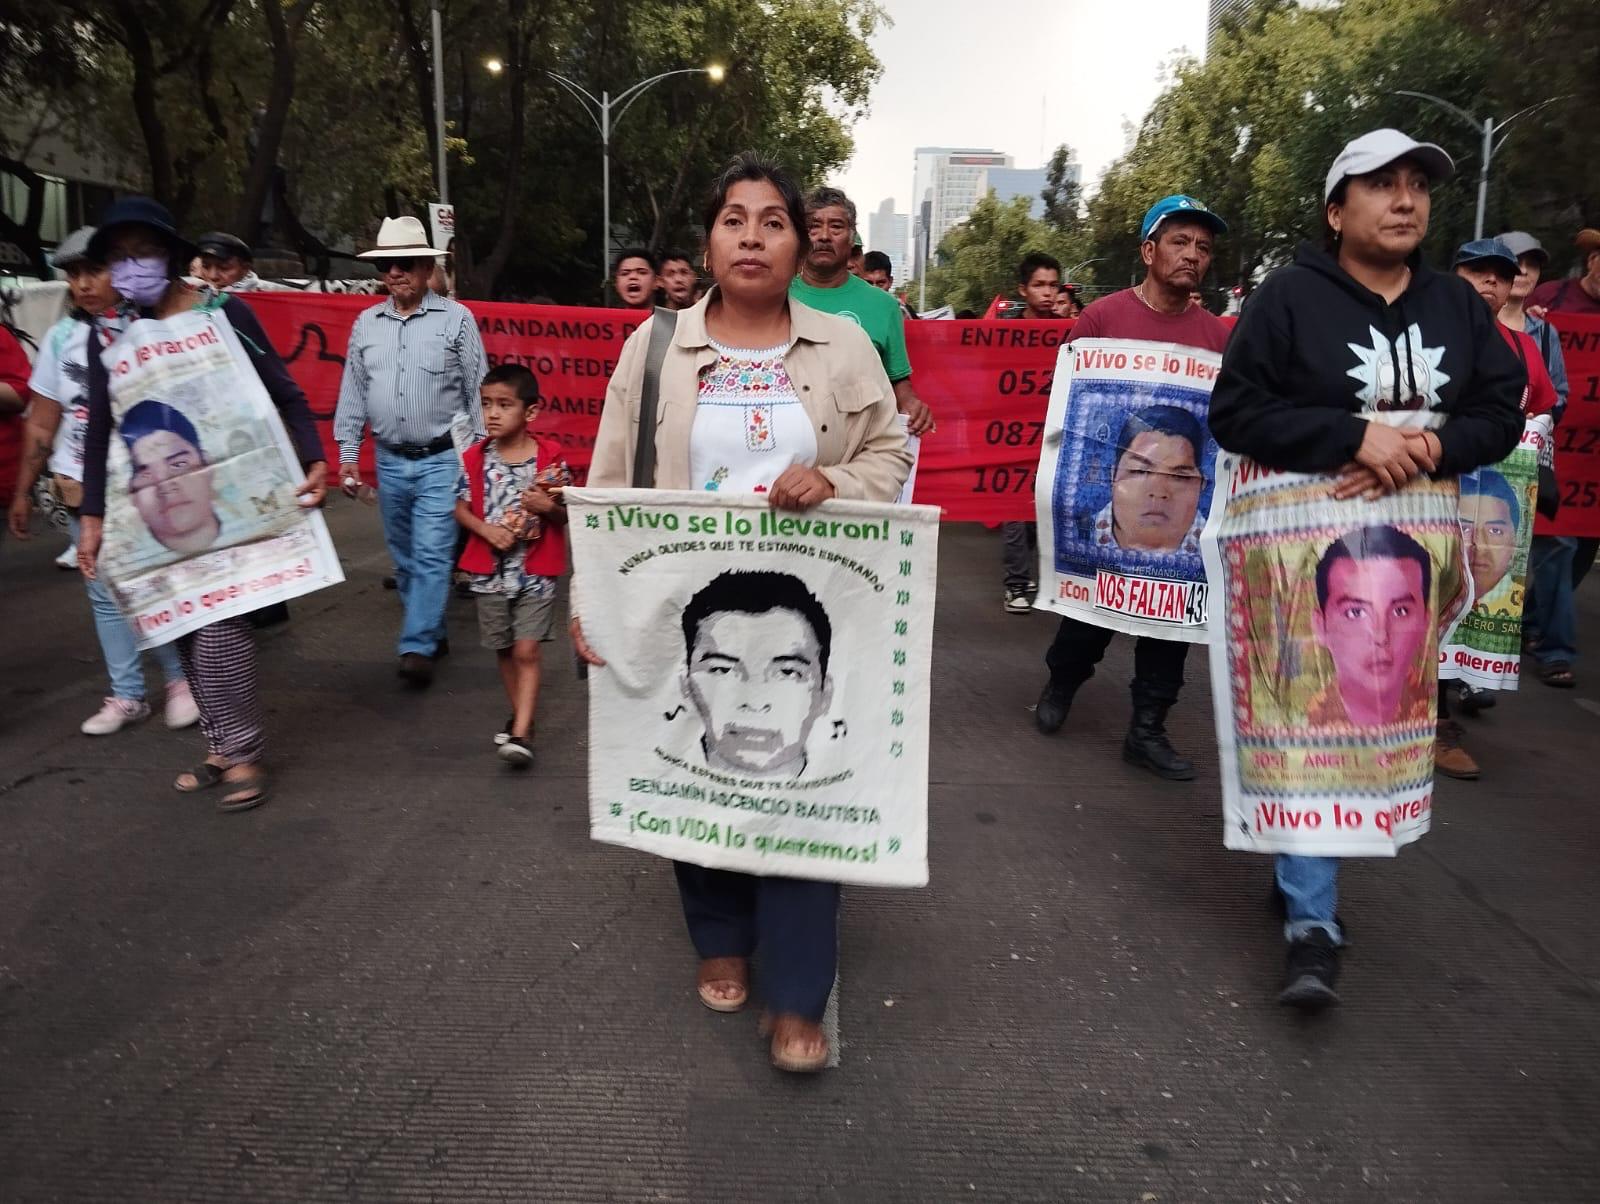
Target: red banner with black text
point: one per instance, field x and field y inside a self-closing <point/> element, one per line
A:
<point x="988" y="383"/>
<point x="1578" y="436"/>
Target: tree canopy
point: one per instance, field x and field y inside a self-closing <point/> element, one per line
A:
<point x="318" y="116"/>
<point x="1253" y="128"/>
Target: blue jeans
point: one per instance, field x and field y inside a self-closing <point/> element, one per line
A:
<point x="1310" y="887"/>
<point x="1551" y="615"/>
<point x="418" y="501"/>
<point x="117" y="644"/>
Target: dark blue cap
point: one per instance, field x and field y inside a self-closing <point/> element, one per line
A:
<point x="140" y="211"/>
<point x="1488" y="249"/>
<point x="1178" y="205"/>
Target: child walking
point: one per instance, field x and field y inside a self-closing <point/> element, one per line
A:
<point x="509" y="501"/>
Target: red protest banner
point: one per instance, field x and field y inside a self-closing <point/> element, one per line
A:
<point x="572" y="351"/>
<point x="989" y="386"/>
<point x="1578" y="436"/>
<point x="988" y="383"/>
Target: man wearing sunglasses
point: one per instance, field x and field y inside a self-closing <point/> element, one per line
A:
<point x="414" y="363"/>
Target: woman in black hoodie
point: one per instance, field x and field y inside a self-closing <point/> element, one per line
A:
<point x="1357" y="326"/>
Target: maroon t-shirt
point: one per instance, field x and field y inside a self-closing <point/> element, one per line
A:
<point x="1564" y="296"/>
<point x="1125" y="316"/>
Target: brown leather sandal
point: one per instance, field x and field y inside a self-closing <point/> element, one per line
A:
<point x="789" y="1034"/>
<point x="724" y="972"/>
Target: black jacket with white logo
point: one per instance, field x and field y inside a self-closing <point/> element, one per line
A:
<point x="1314" y="348"/>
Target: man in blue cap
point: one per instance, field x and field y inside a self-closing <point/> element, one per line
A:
<point x="1178" y="234"/>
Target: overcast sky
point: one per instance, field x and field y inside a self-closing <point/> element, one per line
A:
<point x="1020" y="76"/>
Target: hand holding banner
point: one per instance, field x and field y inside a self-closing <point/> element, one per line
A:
<point x="202" y="521"/>
<point x="764" y="703"/>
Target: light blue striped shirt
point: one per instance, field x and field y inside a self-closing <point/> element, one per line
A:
<point x="408" y="377"/>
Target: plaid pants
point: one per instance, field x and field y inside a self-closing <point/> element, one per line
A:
<point x="219" y="663"/>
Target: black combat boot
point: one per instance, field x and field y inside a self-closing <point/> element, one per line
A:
<point x="1054" y="703"/>
<point x="1147" y="745"/>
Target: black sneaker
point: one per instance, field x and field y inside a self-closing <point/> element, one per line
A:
<point x="504" y="734"/>
<point x="1313" y="968"/>
<point x="1473" y="701"/>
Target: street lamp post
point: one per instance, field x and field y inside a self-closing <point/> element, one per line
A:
<point x="1073" y="270"/>
<point x="1487" y="129"/>
<point x="438" y="101"/>
<point x="600" y="112"/>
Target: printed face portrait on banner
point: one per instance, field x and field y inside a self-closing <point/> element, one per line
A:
<point x="756" y="648"/>
<point x="1133" y="482"/>
<point x="170" y="481"/>
<point x="1373" y="620"/>
<point x="1490" y="516"/>
<point x="1156" y="484"/>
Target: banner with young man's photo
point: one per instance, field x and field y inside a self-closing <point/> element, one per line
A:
<point x="202" y="521"/>
<point x="1328" y="616"/>
<point x="764" y="702"/>
<point x="1498" y="509"/>
<point x="1124" y="486"/>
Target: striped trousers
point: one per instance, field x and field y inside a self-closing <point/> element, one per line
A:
<point x="219" y="662"/>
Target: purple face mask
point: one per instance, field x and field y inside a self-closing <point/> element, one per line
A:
<point x="142" y="279"/>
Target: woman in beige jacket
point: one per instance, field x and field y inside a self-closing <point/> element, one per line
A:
<point x="759" y="394"/>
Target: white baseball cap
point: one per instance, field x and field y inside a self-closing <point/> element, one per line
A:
<point x="1381" y="148"/>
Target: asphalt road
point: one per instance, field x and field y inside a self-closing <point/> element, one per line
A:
<point x="411" y="976"/>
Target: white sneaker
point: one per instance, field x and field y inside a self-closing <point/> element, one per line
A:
<point x="69" y="558"/>
<point x="181" y="709"/>
<point x="116" y="714"/>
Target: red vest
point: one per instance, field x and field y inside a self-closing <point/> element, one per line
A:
<point x="547" y="555"/>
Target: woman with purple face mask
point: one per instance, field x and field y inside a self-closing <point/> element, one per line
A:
<point x="148" y="257"/>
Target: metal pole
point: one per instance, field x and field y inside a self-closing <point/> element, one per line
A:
<point x="1483" y="176"/>
<point x="605" y="187"/>
<point x="438" y="101"/>
<point x="925" y="213"/>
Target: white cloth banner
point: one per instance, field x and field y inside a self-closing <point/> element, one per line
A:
<point x="1498" y="504"/>
<point x="1124" y="485"/>
<point x="764" y="704"/>
<point x="202" y="521"/>
<point x="1328" y="620"/>
<point x="913" y="446"/>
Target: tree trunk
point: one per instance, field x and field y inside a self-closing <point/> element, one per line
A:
<point x="483" y="277"/>
<point x="141" y="54"/>
<point x="284" y="29"/>
<point x="421" y="70"/>
<point x="664" y="215"/>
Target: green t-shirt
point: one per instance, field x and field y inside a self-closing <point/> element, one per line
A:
<point x="872" y="309"/>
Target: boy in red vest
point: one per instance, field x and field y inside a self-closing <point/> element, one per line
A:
<point x="509" y="501"/>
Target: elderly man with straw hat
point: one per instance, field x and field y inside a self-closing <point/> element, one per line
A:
<point x="414" y="363"/>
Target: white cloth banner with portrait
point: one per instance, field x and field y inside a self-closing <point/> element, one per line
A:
<point x="1124" y="486"/>
<point x="1328" y="621"/>
<point x="764" y="703"/>
<point x="201" y="521"/>
<point x="1498" y="504"/>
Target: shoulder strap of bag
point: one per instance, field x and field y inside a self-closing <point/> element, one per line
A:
<point x="644" y="452"/>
